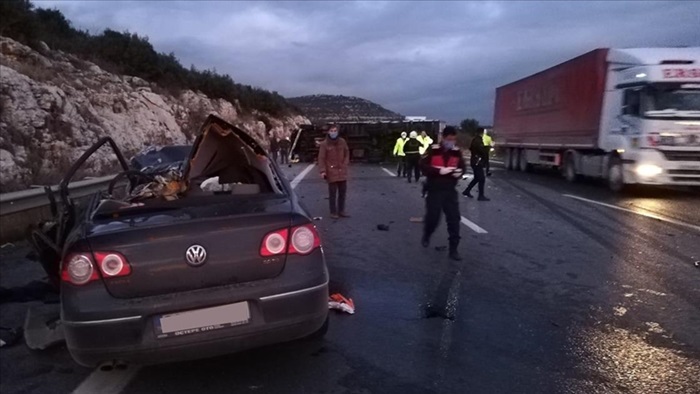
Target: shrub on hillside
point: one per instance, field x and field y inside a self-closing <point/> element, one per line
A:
<point x="130" y="54"/>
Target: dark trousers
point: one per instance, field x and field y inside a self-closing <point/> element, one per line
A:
<point x="401" y="169"/>
<point x="439" y="201"/>
<point x="274" y="155"/>
<point x="479" y="178"/>
<point x="284" y="156"/>
<point x="336" y="194"/>
<point x="413" y="166"/>
<point x="487" y="165"/>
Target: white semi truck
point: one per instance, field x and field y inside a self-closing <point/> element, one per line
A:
<point x="631" y="116"/>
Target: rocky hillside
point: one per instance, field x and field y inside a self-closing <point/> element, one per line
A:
<point x="323" y="108"/>
<point x="54" y="105"/>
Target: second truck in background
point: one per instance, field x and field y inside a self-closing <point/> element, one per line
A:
<point x="630" y="116"/>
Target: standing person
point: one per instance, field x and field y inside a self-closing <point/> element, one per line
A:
<point x="424" y="139"/>
<point x="443" y="166"/>
<point x="412" y="150"/>
<point x="477" y="162"/>
<point x="274" y="147"/>
<point x="488" y="144"/>
<point x="398" y="152"/>
<point x="333" y="161"/>
<point x="284" y="145"/>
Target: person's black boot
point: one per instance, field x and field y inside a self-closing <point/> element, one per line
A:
<point x="454" y="255"/>
<point x="467" y="193"/>
<point x="483" y="198"/>
<point x="425" y="241"/>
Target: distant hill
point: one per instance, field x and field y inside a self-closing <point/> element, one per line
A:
<point x="324" y="108"/>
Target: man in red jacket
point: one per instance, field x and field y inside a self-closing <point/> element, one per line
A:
<point x="333" y="162"/>
<point x="443" y="166"/>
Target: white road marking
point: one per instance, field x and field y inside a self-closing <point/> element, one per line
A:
<point x="107" y="382"/>
<point x="473" y="226"/>
<point x="497" y="161"/>
<point x="297" y="179"/>
<point x="388" y="172"/>
<point x="640" y="213"/>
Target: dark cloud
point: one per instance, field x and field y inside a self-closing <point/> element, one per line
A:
<point x="440" y="59"/>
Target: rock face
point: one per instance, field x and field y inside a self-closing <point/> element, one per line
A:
<point x="323" y="108"/>
<point x="53" y="106"/>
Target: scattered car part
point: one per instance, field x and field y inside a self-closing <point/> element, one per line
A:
<point x="338" y="302"/>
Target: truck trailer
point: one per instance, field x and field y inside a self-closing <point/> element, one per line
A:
<point x="630" y="116"/>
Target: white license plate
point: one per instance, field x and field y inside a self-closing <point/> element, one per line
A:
<point x="202" y="320"/>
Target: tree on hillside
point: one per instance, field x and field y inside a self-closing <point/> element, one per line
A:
<point x="469" y="126"/>
<point x="130" y="54"/>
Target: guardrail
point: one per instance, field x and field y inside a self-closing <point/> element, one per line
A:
<point x="25" y="200"/>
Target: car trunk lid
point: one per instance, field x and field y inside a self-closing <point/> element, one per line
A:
<point x="156" y="246"/>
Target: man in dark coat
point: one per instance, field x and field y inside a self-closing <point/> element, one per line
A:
<point x="479" y="158"/>
<point x="333" y="163"/>
<point x="274" y="147"/>
<point x="443" y="166"/>
<point x="284" y="145"/>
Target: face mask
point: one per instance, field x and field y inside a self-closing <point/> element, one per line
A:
<point x="333" y="135"/>
<point x="448" y="145"/>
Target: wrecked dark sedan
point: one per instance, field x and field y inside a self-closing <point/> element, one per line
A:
<point x="209" y="256"/>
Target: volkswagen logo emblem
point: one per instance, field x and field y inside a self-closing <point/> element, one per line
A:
<point x="196" y="255"/>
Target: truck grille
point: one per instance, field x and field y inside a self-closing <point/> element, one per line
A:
<point x="680" y="155"/>
<point x="683" y="172"/>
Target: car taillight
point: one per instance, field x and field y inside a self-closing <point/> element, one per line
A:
<point x="304" y="240"/>
<point x="80" y="268"/>
<point x="274" y="243"/>
<point x="112" y="264"/>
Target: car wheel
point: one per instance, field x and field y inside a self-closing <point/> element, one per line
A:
<point x="616" y="177"/>
<point x="570" y="169"/>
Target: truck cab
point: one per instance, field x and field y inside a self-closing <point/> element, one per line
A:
<point x="650" y="125"/>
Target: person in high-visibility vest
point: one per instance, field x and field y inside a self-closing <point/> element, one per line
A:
<point x="424" y="139"/>
<point x="412" y="150"/>
<point x="398" y="152"/>
<point x="488" y="145"/>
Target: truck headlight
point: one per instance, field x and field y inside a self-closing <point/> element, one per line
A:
<point x="648" y="170"/>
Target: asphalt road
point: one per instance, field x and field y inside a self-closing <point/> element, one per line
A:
<point x="564" y="289"/>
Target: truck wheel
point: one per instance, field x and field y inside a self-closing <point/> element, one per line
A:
<point x="523" y="165"/>
<point x="570" y="169"/>
<point x="509" y="159"/>
<point x="616" y="177"/>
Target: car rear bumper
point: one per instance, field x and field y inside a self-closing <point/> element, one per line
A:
<point x="101" y="328"/>
<point x="274" y="319"/>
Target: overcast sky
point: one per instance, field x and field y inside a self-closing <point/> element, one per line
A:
<point x="439" y="59"/>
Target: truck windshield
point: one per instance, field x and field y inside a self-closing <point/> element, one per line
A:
<point x="673" y="102"/>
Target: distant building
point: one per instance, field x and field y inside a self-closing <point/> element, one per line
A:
<point x="415" y="119"/>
